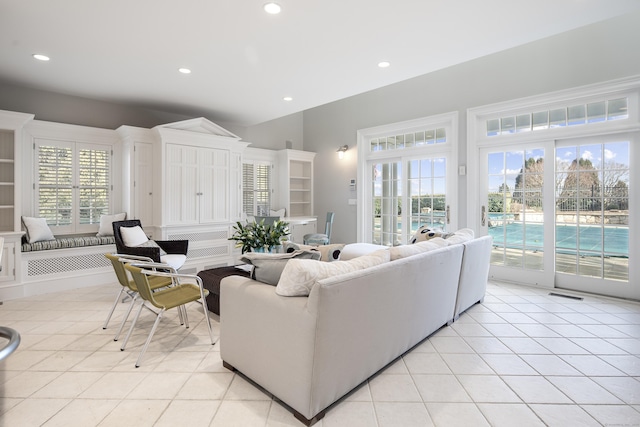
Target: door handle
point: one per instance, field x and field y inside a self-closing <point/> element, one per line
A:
<point x="448" y="215"/>
<point x="483" y="218"/>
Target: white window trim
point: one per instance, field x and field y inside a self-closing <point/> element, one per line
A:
<point x="476" y="125"/>
<point x="38" y="129"/>
<point x="449" y="121"/>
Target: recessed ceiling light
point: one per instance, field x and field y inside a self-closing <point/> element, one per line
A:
<point x="184" y="70"/>
<point x="384" y="64"/>
<point x="272" y="8"/>
<point x="40" y="57"/>
<point x="287" y="98"/>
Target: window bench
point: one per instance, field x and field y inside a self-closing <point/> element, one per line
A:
<point x="67" y="262"/>
<point x="68" y="242"/>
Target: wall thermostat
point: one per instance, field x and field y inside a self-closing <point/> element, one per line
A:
<point x="352" y="184"/>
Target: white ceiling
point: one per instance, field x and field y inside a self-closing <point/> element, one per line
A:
<point x="245" y="61"/>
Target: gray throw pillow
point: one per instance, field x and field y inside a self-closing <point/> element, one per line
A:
<point x="267" y="268"/>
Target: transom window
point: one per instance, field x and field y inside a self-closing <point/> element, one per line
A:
<point x="408" y="140"/>
<point x="573" y="115"/>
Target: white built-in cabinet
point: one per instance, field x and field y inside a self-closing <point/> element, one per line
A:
<point x="138" y="172"/>
<point x="197" y="185"/>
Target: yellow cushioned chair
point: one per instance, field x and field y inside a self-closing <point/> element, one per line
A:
<point x="175" y="296"/>
<point x="129" y="286"/>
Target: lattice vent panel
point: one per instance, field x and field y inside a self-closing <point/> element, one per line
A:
<point x="209" y="252"/>
<point x="198" y="237"/>
<point x="39" y="267"/>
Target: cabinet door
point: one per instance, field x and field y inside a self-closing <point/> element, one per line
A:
<point x="143" y="182"/>
<point x="214" y="185"/>
<point x="8" y="262"/>
<point x="298" y="230"/>
<point x="182" y="193"/>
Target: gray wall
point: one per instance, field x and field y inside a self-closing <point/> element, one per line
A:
<point x="56" y="107"/>
<point x="592" y="54"/>
<point x="274" y="134"/>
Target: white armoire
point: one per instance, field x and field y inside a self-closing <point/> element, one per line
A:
<point x="185" y="183"/>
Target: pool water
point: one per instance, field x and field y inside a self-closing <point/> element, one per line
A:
<point x="517" y="235"/>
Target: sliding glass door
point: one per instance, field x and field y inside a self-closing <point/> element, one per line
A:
<point x="559" y="213"/>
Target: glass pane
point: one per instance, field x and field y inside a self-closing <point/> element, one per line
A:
<point x="430" y="136"/>
<point x="617" y="109"/>
<point x="493" y="127"/>
<point x="590" y="237"/>
<point x="596" y="112"/>
<point x="441" y="135"/>
<point x="558" y="117"/>
<point x="590" y="265"/>
<point x="523" y="123"/>
<point x="408" y="140"/>
<point x="541" y="120"/>
<point x="576" y="115"/>
<point x="507" y="125"/>
<point x="419" y="138"/>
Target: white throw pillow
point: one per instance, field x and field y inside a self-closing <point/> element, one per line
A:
<point x="300" y="275"/>
<point x="36" y="229"/>
<point x="133" y="236"/>
<point x="106" y="223"/>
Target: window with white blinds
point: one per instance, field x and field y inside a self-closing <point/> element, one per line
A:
<point x="73" y="184"/>
<point x="256" y="188"/>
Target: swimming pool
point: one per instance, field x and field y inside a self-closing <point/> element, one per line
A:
<point x="590" y="238"/>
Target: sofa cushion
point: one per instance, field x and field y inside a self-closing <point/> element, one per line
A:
<point x="299" y="275"/>
<point x="267" y="268"/>
<point x="460" y="236"/>
<point x="354" y="250"/>
<point x="404" y="251"/>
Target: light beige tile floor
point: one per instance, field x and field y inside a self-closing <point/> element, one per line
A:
<point x="523" y="358"/>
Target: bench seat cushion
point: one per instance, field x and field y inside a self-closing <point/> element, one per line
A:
<point x="68" y="242"/>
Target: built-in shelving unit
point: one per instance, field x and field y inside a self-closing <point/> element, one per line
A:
<point x="297" y="182"/>
<point x="7" y="180"/>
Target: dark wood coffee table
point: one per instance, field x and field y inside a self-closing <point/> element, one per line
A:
<point x="211" y="280"/>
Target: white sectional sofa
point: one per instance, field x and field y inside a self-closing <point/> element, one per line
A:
<point x="311" y="351"/>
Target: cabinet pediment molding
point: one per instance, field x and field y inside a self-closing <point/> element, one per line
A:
<point x="199" y="125"/>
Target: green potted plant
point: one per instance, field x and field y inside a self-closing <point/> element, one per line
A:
<point x="275" y="234"/>
<point x="256" y="236"/>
